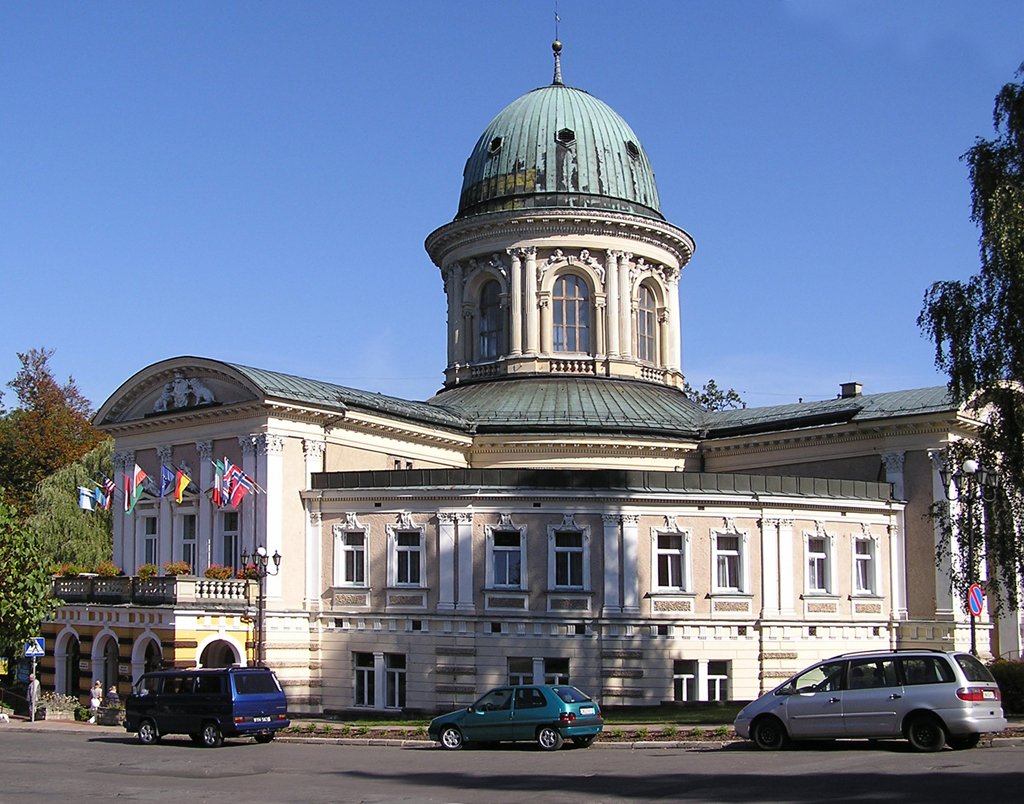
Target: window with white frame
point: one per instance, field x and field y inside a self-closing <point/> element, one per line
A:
<point x="672" y="561"/>
<point x="570" y="302"/>
<point x="646" y="325"/>
<point x="684" y="680"/>
<point x="568" y="560"/>
<point x="520" y="670"/>
<point x="492" y="330"/>
<point x="350" y="557"/>
<point x="363" y="680"/>
<point x="818" y="564"/>
<point x="718" y="681"/>
<point x="229" y="538"/>
<point x="864" y="566"/>
<point x="394" y="680"/>
<point x="189" y="552"/>
<point x="406" y="568"/>
<point x="149" y="540"/>
<point x="556" y="671"/>
<point x="729" y="561"/>
<point x="506" y="558"/>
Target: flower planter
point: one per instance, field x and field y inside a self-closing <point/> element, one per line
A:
<point x="110" y="716"/>
<point x="57" y="714"/>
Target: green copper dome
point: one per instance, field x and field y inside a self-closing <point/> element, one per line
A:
<point x="557" y="146"/>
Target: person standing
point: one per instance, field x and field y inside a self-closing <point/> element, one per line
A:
<point x="95" y="700"/>
<point x="32" y="695"/>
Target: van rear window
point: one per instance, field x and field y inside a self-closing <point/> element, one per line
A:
<point x="926" y="670"/>
<point x="973" y="669"/>
<point x="255" y="683"/>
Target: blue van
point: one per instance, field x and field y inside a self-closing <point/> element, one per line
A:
<point x="207" y="705"/>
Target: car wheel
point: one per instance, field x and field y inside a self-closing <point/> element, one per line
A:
<point x="265" y="737"/>
<point x="451" y="738"/>
<point x="212" y="737"/>
<point x="769" y="734"/>
<point x="196" y="737"/>
<point x="926" y="733"/>
<point x="549" y="739"/>
<point x="584" y="742"/>
<point x="147" y="732"/>
<point x="960" y="742"/>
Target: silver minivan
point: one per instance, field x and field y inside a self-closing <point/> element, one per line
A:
<point x="932" y="698"/>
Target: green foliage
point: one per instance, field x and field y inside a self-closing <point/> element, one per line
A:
<point x="177" y="568"/>
<point x="25" y="586"/>
<point x="1010" y="676"/>
<point x="64" y="532"/>
<point x="108" y="569"/>
<point x="218" y="572"/>
<point x="714" y="398"/>
<point x="147" y="571"/>
<point x="978" y="331"/>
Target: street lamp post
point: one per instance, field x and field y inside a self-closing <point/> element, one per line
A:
<point x="970" y="483"/>
<point x="261" y="563"/>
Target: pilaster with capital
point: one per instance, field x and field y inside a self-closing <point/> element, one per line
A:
<point x="612" y="566"/>
<point x="516" y="302"/>
<point x="165" y="521"/>
<point x="247" y="511"/>
<point x="944" y="603"/>
<point x="205" y="519"/>
<point x="625" y="319"/>
<point x="630" y="554"/>
<point x="530" y="302"/>
<point x="787" y="582"/>
<point x="447" y="526"/>
<point x="464" y="536"/>
<point x="612" y="311"/>
<point x="270" y="449"/>
<point x="771" y="568"/>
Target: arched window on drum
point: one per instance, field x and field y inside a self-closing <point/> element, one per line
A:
<point x="647" y="326"/>
<point x="571" y="314"/>
<point x="492" y="328"/>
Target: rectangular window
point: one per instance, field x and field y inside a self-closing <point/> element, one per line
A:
<point x="408" y="558"/>
<point x="817" y="564"/>
<point x="188" y="541"/>
<point x="671" y="561"/>
<point x="520" y="671"/>
<point x="729" y="562"/>
<point x="363" y="694"/>
<point x="507" y="559"/>
<point x="864" y="566"/>
<point x="556" y="671"/>
<point x="569" y="560"/>
<point x="353" y="558"/>
<point x="684" y="680"/>
<point x="229" y="538"/>
<point x="718" y="681"/>
<point x="394" y="680"/>
<point x="149" y="541"/>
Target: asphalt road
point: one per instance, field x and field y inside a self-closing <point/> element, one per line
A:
<point x="88" y="766"/>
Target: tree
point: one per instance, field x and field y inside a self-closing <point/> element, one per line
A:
<point x="49" y="429"/>
<point x="714" y="398"/>
<point x="64" y="532"/>
<point x="25" y="587"/>
<point x="977" y="327"/>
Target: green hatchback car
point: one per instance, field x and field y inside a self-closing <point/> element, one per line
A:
<point x="546" y="714"/>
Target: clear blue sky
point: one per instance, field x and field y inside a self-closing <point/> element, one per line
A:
<point x="254" y="181"/>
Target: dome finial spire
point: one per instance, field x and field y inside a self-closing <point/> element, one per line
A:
<point x="556" y="48"/>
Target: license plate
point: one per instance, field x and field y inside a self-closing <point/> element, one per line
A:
<point x="261" y="719"/>
<point x="586" y="710"/>
<point x="988" y="695"/>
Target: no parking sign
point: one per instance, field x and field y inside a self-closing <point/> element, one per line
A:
<point x="976" y="599"/>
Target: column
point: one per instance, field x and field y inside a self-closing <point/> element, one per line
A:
<point x="630" y="577"/>
<point x="269" y="508"/>
<point x="247" y="508"/>
<point x="128" y="539"/>
<point x="771" y="572"/>
<point x="455" y="315"/>
<point x="530" y="302"/>
<point x="787" y="582"/>
<point x="165" y="526"/>
<point x="611" y="283"/>
<point x="379" y="679"/>
<point x="612" y="603"/>
<point x="538" y="669"/>
<point x="117" y="510"/>
<point x="464" y="540"/>
<point x="625" y="307"/>
<point x="674" y="324"/>
<point x="893" y="462"/>
<point x="702" y="679"/>
<point x="314" y="553"/>
<point x="516" y="302"/>
<point x="204" y="522"/>
<point x="943" y="590"/>
<point x="446" y="560"/>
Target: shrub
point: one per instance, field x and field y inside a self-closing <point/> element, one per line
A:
<point x="722" y="731"/>
<point x="147" y="571"/>
<point x="67" y="570"/>
<point x="642" y="733"/>
<point x="177" y="568"/>
<point x="108" y="569"/>
<point x="218" y="572"/>
<point x="248" y="572"/>
<point x="669" y="731"/>
<point x="59" y="703"/>
<point x="1010" y="675"/>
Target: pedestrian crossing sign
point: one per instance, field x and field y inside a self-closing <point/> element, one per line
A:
<point x="34" y="648"/>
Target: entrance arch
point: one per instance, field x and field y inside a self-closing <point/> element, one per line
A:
<point x="67" y="657"/>
<point x="219" y="653"/>
<point x="105" y="660"/>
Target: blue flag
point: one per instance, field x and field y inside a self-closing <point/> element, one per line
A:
<point x="166" y="480"/>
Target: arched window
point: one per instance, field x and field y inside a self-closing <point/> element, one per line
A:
<point x="492" y="329"/>
<point x="571" y="302"/>
<point x="646" y="323"/>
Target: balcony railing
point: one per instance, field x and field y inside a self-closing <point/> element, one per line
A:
<point x="163" y="590"/>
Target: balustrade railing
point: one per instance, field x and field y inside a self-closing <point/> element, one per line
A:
<point x="162" y="590"/>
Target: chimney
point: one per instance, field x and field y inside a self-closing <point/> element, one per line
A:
<point x="848" y="390"/>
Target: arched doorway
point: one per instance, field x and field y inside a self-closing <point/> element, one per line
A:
<point x="219" y="654"/>
<point x="68" y="678"/>
<point x="154" y="657"/>
<point x="105" y="660"/>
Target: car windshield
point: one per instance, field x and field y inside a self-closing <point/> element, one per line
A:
<point x="973" y="669"/>
<point x="570" y="694"/>
<point x="821" y="678"/>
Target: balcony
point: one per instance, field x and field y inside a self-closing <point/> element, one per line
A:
<point x="163" y="590"/>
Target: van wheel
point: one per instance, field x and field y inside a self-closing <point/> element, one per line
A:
<point x="926" y="733"/>
<point x="264" y="737"/>
<point x="451" y="738"/>
<point x="196" y="737"/>
<point x="769" y="734"/>
<point x="549" y="739"/>
<point x="212" y="736"/>
<point x="961" y="742"/>
<point x="147" y="732"/>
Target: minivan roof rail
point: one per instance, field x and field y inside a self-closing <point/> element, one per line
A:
<point x="886" y="650"/>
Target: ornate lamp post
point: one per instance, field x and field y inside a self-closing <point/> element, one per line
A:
<point x="261" y="562"/>
<point x="971" y="483"/>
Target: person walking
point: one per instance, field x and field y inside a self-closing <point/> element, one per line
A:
<point x="95" y="700"/>
<point x="32" y="695"/>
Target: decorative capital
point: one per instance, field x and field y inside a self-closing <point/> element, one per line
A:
<point x="505" y="522"/>
<point x="312" y="449"/>
<point x="248" y="443"/>
<point x="610" y="519"/>
<point x="315" y="518"/>
<point x="270" y="443"/>
<point x="446" y="517"/>
<point x="893" y="461"/>
<point x="165" y="454"/>
<point x="205" y="450"/>
<point x="405" y="520"/>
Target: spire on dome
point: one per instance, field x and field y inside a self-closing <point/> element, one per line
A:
<point x="556" y="48"/>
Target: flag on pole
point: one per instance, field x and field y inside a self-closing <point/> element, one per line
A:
<point x="109" y="487"/>
<point x="166" y="480"/>
<point x="134" y="486"/>
<point x="85" y="499"/>
<point x="243" y="485"/>
<point x="181" y="482"/>
<point x="101" y="499"/>
<point x="218" y="482"/>
<point x="231" y="474"/>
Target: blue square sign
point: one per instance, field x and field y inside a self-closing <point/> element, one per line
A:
<point x="34" y="647"/>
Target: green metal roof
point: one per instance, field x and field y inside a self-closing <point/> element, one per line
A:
<point x="558" y="146"/>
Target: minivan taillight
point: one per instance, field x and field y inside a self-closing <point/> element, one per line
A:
<point x="978" y="694"/>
